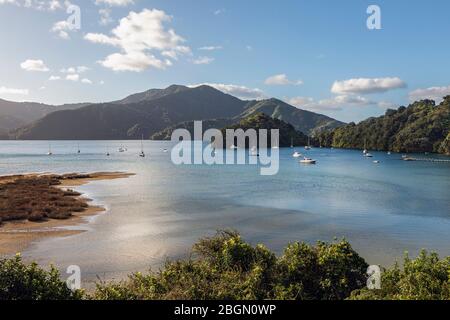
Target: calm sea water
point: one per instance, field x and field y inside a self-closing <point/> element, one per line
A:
<point x="384" y="209"/>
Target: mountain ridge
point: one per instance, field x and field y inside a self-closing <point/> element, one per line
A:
<point x="155" y="110"/>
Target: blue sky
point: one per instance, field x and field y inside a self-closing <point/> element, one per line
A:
<point x="317" y="55"/>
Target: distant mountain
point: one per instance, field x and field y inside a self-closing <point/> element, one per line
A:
<point x="155" y="113"/>
<point x="421" y="127"/>
<point x="305" y="121"/>
<point x="152" y="94"/>
<point x="17" y="114"/>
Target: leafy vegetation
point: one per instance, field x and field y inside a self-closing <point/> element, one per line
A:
<point x="227" y="267"/>
<point x="425" y="278"/>
<point x="19" y="281"/>
<point x="420" y="127"/>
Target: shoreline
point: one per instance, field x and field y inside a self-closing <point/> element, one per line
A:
<point x="17" y="235"/>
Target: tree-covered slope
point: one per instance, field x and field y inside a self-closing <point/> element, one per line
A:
<point x="421" y="127"/>
<point x="305" y="121"/>
<point x="258" y="121"/>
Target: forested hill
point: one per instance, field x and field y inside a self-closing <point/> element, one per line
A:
<point x="421" y="127"/>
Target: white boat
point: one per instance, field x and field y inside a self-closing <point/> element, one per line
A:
<point x="254" y="152"/>
<point x="368" y="155"/>
<point x="142" y="154"/>
<point x="308" y="161"/>
<point x="233" y="147"/>
<point x="121" y="149"/>
<point x="376" y="161"/>
<point x="297" y="154"/>
<point x="292" y="143"/>
<point x="275" y="147"/>
<point x="308" y="147"/>
<point x="49" y="153"/>
<point x="165" y="150"/>
<point x="389" y="153"/>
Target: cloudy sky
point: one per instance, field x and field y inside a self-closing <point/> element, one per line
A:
<point x="317" y="55"/>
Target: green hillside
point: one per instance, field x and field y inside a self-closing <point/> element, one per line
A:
<point x="423" y="126"/>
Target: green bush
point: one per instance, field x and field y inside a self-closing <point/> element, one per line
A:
<point x="19" y="281"/>
<point x="226" y="267"/>
<point x="425" y="278"/>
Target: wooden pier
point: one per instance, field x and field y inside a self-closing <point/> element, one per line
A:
<point x="425" y="159"/>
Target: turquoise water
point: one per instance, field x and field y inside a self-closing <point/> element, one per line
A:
<point x="384" y="209"/>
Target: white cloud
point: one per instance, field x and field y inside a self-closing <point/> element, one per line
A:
<point x="34" y="65"/>
<point x="13" y="91"/>
<point x="118" y="3"/>
<point x="238" y="91"/>
<point x="144" y="42"/>
<point x="73" y="77"/>
<point x="387" y="105"/>
<point x="367" y="85"/>
<point x="331" y="104"/>
<point x="54" y="78"/>
<point x="86" y="81"/>
<point x="219" y="11"/>
<point x="434" y="93"/>
<point x="62" y="28"/>
<point x="281" y="80"/>
<point x="41" y="5"/>
<point x="210" y="48"/>
<point x="105" y="16"/>
<point x="79" y="69"/>
<point x="203" y="60"/>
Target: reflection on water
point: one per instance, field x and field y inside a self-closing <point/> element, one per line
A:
<point x="382" y="209"/>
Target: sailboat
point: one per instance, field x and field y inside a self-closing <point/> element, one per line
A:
<point x="142" y="154"/>
<point x="292" y="143"/>
<point x="79" y="151"/>
<point x="308" y="147"/>
<point x="107" y="152"/>
<point x="254" y="152"/>
<point x="122" y="149"/>
<point x="50" y="153"/>
<point x="365" y="147"/>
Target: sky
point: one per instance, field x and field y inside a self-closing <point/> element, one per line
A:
<point x="316" y="55"/>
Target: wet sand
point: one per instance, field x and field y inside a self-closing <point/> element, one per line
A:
<point x="17" y="235"/>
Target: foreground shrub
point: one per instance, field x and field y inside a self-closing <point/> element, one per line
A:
<point x="19" y="281"/>
<point x="424" y="278"/>
<point x="226" y="267"/>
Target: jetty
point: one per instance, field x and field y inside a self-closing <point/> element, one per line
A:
<point x="425" y="159"/>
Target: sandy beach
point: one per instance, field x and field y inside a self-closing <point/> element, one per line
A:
<point x="17" y="235"/>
